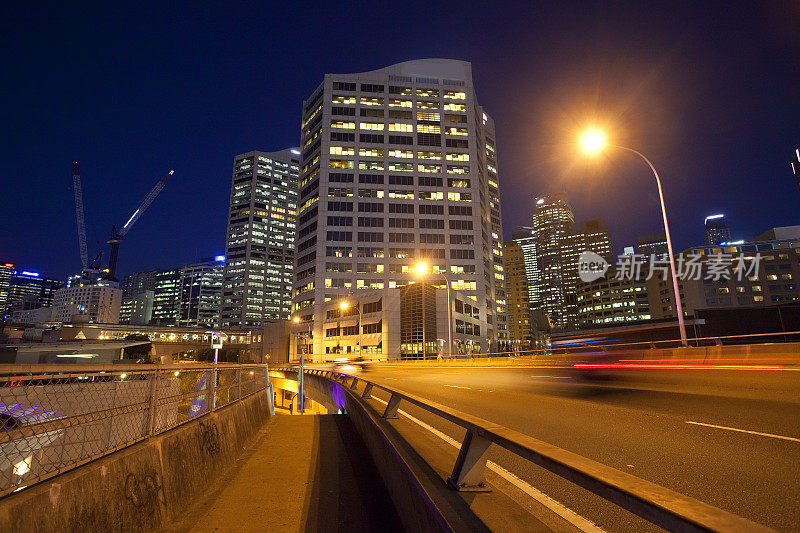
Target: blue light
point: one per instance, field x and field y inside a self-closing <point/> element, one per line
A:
<point x="220" y="258"/>
<point x="26" y="273"/>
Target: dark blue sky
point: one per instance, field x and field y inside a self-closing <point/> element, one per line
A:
<point x="710" y="91"/>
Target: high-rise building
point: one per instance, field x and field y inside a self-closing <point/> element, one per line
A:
<point x="166" y="297"/>
<point x="519" y="305"/>
<point x="139" y="282"/>
<point x="25" y="290"/>
<point x="200" y="293"/>
<point x="137" y="310"/>
<point x="650" y="245"/>
<point x="717" y="231"/>
<point x="593" y="237"/>
<point x="399" y="165"/>
<point x="95" y="304"/>
<point x="552" y="221"/>
<point x="259" y="249"/>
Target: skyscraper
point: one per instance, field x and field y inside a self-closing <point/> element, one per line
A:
<point x="166" y="294"/>
<point x="519" y="305"/>
<point x="717" y="231"/>
<point x="552" y="221"/>
<point x="593" y="237"/>
<point x="655" y="244"/>
<point x="259" y="249"/>
<point x="399" y="165"/>
<point x="26" y="290"/>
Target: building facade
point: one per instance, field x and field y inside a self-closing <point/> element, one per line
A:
<point x="520" y="319"/>
<point x="23" y="290"/>
<point x="201" y="293"/>
<point x="399" y="165"/>
<point x="95" y="304"/>
<point x="653" y="245"/>
<point x="593" y="237"/>
<point x="166" y="297"/>
<point x="137" y="309"/>
<point x="259" y="248"/>
<point x="610" y="301"/>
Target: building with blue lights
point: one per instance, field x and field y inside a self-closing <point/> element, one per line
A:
<point x="24" y="290"/>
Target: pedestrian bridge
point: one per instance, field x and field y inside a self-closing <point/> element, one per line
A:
<point x="201" y="448"/>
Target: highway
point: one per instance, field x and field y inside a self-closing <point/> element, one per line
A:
<point x="728" y="438"/>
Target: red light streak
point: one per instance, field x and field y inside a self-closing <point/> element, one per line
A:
<point x="712" y="359"/>
<point x="673" y="366"/>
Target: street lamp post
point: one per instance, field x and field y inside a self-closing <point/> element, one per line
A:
<point x="422" y="269"/>
<point x="301" y="401"/>
<point x="593" y="142"/>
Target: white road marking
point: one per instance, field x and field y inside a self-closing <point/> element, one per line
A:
<point x="793" y="439"/>
<point x="456" y="386"/>
<point x="393" y="379"/>
<point x="555" y="506"/>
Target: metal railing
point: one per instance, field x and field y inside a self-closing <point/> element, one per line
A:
<point x="57" y="417"/>
<point x="659" y="505"/>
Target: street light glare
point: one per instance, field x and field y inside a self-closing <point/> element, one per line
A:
<point x="296" y="320"/>
<point x="422" y="269"/>
<point x="344" y="305"/>
<point x="593" y="141"/>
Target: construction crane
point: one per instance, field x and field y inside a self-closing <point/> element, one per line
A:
<point x="118" y="235"/>
<point x="78" y="191"/>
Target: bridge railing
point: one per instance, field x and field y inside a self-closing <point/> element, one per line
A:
<point x="57" y="417"/>
<point x="659" y="505"/>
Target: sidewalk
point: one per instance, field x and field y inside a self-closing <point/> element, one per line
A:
<point x="288" y="480"/>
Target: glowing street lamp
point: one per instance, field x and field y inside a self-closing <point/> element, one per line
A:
<point x="301" y="402"/>
<point x="422" y="270"/>
<point x="592" y="142"/>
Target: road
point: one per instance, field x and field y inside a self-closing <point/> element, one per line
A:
<point x="728" y="438"/>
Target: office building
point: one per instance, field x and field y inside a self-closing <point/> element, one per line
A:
<point x="166" y="297"/>
<point x="139" y="282"/>
<point x="610" y="301"/>
<point x="717" y="231"/>
<point x="653" y="245"/>
<point x="593" y="237"/>
<point x="200" y="293"/>
<point x="24" y="290"/>
<point x="93" y="304"/>
<point x="257" y="280"/>
<point x="137" y="309"/>
<point x="520" y="325"/>
<point x="399" y="165"/>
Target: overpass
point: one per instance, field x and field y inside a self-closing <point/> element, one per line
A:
<point x="456" y="445"/>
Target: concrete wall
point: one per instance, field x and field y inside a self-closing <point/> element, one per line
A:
<point x="145" y="486"/>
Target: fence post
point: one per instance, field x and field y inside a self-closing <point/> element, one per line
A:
<point x="468" y="471"/>
<point x="213" y="388"/>
<point x="153" y="394"/>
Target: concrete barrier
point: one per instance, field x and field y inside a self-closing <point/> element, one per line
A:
<point x="142" y="487"/>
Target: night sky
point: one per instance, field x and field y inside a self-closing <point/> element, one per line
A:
<point x="710" y="91"/>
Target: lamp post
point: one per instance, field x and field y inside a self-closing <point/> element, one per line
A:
<point x="422" y="269"/>
<point x="593" y="142"/>
<point x="301" y="401"/>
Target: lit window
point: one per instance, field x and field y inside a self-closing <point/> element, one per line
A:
<point x="458" y="157"/>
<point x="342" y="150"/>
<point x="338" y="163"/>
<point x="368" y="100"/>
<point x="426" y="115"/>
<point x="340" y="99"/>
<point x="371" y="126"/>
<point x="370" y="152"/>
<point x="455" y="107"/>
<point x="343" y="125"/>
<point x="429" y="155"/>
<point x="431" y="128"/>
<point x="404" y="154"/>
<point x="452" y="130"/>
<point x="455" y="95"/>
<point x="423" y="104"/>
<point x="397" y="126"/>
<point x="400" y="103"/>
<point x="429" y="168"/>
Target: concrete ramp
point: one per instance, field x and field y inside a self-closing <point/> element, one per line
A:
<point x="303" y="473"/>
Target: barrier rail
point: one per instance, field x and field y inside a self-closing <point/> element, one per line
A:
<point x="58" y="417"/>
<point x="659" y="505"/>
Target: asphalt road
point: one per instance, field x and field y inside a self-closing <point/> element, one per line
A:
<point x="657" y="425"/>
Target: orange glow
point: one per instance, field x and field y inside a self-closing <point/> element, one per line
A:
<point x="673" y="366"/>
<point x="701" y="360"/>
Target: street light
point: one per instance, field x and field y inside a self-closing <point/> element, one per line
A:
<point x="301" y="402"/>
<point x="592" y="142"/>
<point x="422" y="269"/>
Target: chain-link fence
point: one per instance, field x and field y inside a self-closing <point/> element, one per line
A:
<point x="56" y="417"/>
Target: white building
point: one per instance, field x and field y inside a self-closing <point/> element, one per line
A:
<point x="93" y="303"/>
<point x="399" y="165"/>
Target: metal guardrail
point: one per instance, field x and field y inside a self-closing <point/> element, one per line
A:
<point x="659" y="505"/>
<point x="57" y="417"/>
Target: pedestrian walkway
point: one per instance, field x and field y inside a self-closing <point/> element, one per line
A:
<point x="303" y="473"/>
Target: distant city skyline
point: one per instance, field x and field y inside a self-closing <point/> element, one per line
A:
<point x="719" y="117"/>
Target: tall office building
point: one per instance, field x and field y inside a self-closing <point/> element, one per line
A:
<point x="520" y="320"/>
<point x="95" y="304"/>
<point x="24" y="290"/>
<point x="552" y="221"/>
<point x="399" y="165"/>
<point x="200" y="293"/>
<point x="166" y="297"/>
<point x="257" y="282"/>
<point x="139" y="282"/>
<point x="717" y="231"/>
<point x="593" y="237"/>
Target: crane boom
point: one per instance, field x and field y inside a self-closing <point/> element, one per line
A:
<point x="78" y="191"/>
<point x="145" y="204"/>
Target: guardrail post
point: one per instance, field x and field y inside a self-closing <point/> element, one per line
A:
<point x="367" y="391"/>
<point x="467" y="473"/>
<point x="151" y="426"/>
<point x="354" y="383"/>
<point x="391" y="407"/>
